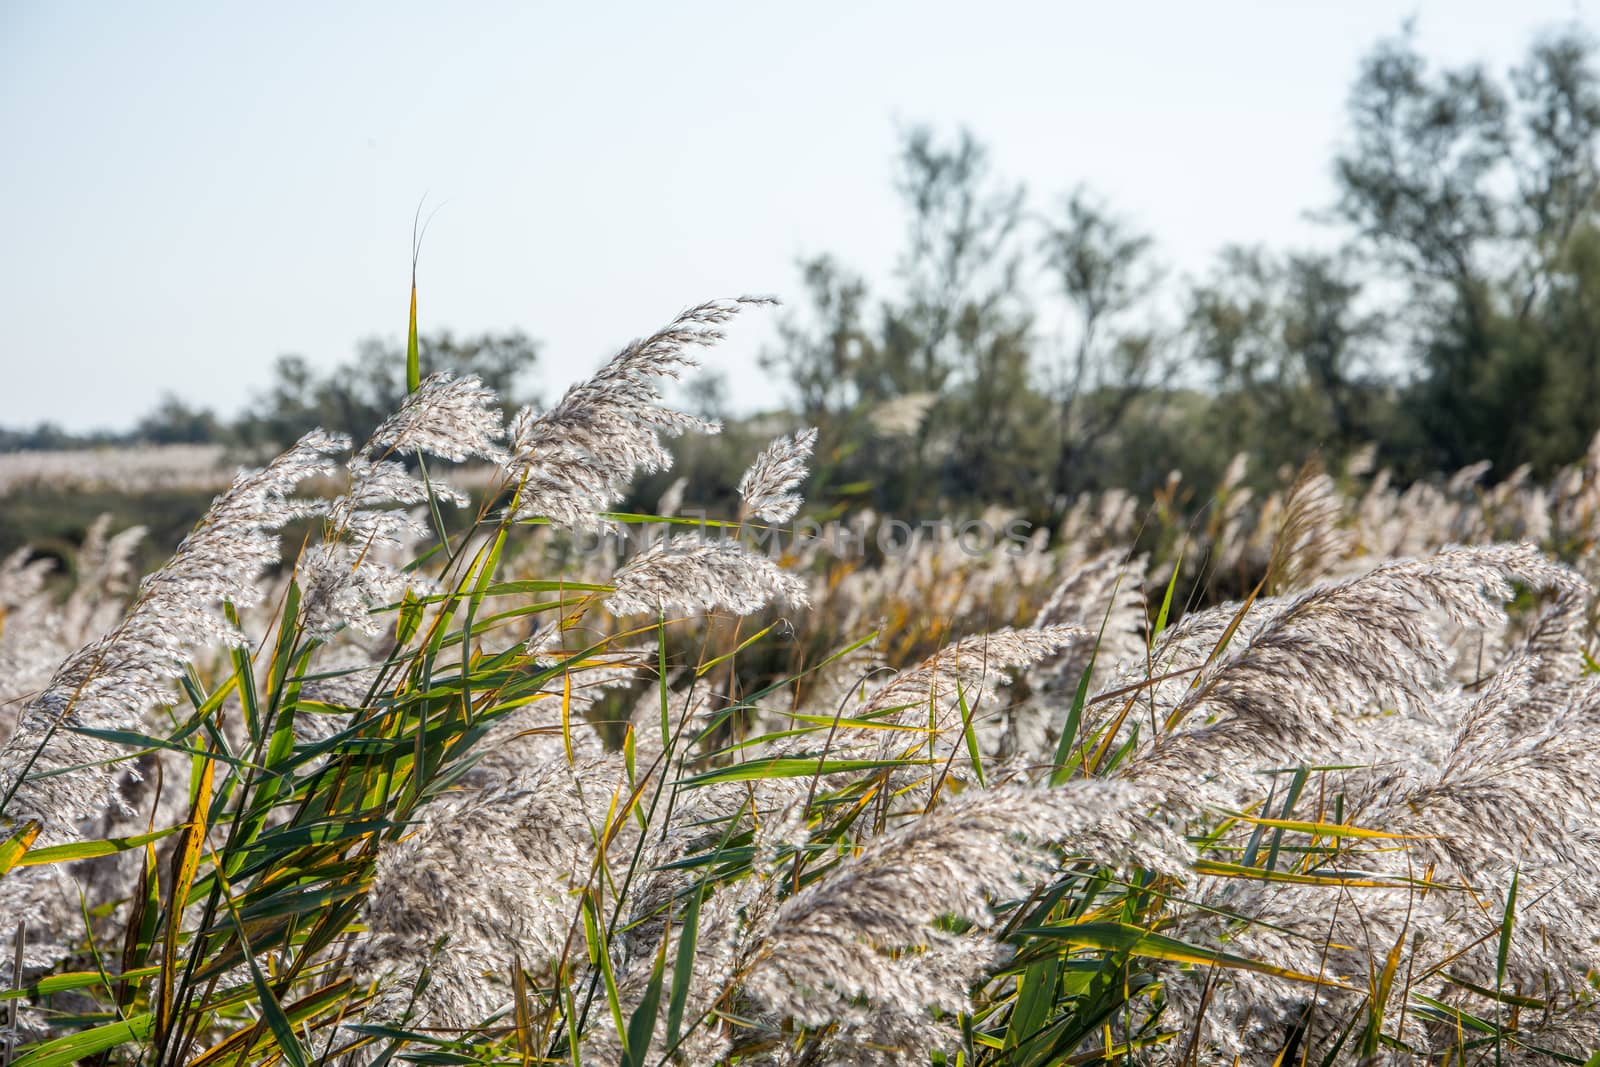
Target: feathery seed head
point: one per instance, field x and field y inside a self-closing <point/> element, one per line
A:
<point x="767" y="487"/>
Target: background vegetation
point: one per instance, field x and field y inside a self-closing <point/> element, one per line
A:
<point x="1030" y="347"/>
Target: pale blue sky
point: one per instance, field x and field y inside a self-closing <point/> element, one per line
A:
<point x="189" y="190"/>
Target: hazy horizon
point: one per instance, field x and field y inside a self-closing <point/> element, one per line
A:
<point x="196" y="191"/>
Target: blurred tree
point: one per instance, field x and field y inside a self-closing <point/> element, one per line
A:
<point x="1477" y="197"/>
<point x="959" y="269"/>
<point x="961" y="328"/>
<point x="957" y="329"/>
<point x="706" y="395"/>
<point x="354" y="397"/>
<point x="48" y="436"/>
<point x="821" y="357"/>
<point x="1290" y="351"/>
<point x="1104" y="271"/>
<point x="174" y="422"/>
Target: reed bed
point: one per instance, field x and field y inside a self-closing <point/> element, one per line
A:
<point x="430" y="798"/>
<point x="127" y="469"/>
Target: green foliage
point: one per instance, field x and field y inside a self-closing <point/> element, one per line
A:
<point x="1457" y="323"/>
<point x="1481" y="199"/>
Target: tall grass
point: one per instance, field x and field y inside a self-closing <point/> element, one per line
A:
<point x="415" y="799"/>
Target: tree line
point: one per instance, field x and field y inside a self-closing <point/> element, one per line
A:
<point x="1457" y="320"/>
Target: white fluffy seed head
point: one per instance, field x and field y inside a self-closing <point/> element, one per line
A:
<point x="452" y="418"/>
<point x="697" y="574"/>
<point x="768" y="486"/>
<point x="576" y="459"/>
